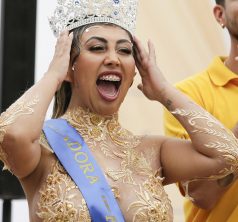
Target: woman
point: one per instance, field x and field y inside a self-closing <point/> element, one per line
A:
<point x="91" y="81"/>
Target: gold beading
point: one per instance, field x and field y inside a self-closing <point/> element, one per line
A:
<point x="133" y="173"/>
<point x="23" y="106"/>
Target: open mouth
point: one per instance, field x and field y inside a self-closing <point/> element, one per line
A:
<point x="108" y="86"/>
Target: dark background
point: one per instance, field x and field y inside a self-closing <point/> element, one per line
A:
<point x="17" y="64"/>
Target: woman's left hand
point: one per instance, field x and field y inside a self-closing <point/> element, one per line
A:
<point x="153" y="81"/>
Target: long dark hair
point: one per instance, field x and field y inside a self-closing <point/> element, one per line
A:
<point x="63" y="95"/>
<point x="220" y="2"/>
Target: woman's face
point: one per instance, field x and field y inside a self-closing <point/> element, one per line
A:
<point x="104" y="70"/>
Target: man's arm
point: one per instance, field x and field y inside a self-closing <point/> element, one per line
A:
<point x="205" y="194"/>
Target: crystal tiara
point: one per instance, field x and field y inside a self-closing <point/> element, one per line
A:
<point x="70" y="14"/>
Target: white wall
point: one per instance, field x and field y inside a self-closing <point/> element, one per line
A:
<point x="19" y="211"/>
<point x="45" y="40"/>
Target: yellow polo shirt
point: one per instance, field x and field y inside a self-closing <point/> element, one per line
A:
<point x="216" y="90"/>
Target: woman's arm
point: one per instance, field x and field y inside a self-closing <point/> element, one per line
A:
<point x="21" y="124"/>
<point x="206" y="193"/>
<point x="212" y="150"/>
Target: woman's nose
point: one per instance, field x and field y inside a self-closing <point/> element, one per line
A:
<point x="112" y="58"/>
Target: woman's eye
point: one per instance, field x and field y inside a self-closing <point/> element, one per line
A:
<point x="125" y="51"/>
<point x="97" y="48"/>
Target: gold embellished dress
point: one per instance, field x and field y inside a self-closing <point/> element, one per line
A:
<point x="129" y="164"/>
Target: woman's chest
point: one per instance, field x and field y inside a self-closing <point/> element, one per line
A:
<point x="140" y="197"/>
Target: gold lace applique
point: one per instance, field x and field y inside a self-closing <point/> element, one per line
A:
<point x="43" y="142"/>
<point x="132" y="163"/>
<point x="153" y="203"/>
<point x="59" y="199"/>
<point x="21" y="107"/>
<point x="3" y="158"/>
<point x="106" y="134"/>
<point x="84" y="213"/>
<point x="185" y="185"/>
<point x="96" y="129"/>
<point x="116" y="192"/>
<point x="226" y="143"/>
<point x="122" y="137"/>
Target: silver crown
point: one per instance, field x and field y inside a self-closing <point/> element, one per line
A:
<point x="70" y="14"/>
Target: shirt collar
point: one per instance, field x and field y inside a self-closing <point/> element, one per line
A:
<point x="220" y="74"/>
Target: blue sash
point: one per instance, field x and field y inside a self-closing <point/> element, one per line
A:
<point x="77" y="160"/>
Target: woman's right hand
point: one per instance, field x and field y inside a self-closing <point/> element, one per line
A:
<point x="59" y="65"/>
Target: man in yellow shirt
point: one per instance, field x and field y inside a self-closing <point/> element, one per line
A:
<point x="215" y="89"/>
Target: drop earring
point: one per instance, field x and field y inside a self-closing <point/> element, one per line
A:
<point x="222" y="25"/>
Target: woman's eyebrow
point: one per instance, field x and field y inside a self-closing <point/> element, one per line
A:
<point x="97" y="38"/>
<point x="124" y="41"/>
<point x="106" y="41"/>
